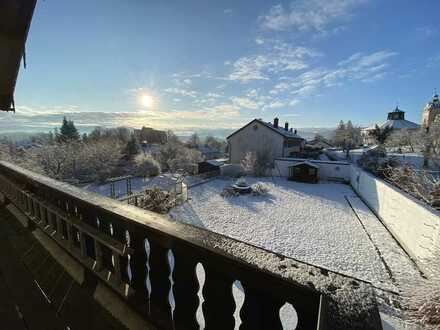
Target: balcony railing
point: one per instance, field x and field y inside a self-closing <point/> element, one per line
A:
<point x="130" y="249"/>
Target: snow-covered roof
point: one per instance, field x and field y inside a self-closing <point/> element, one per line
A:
<point x="217" y="162"/>
<point x="395" y="124"/>
<point x="400" y="124"/>
<point x="279" y="129"/>
<point x="305" y="163"/>
<point x="163" y="181"/>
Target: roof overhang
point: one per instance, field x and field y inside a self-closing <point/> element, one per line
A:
<point x="15" y="19"/>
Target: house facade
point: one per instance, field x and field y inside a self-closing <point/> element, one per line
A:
<point x="431" y="112"/>
<point x="263" y="137"/>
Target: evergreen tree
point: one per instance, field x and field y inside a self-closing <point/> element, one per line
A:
<point x="68" y="131"/>
<point x="132" y="147"/>
<point x="381" y="134"/>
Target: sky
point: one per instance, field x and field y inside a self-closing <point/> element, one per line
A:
<point x="203" y="64"/>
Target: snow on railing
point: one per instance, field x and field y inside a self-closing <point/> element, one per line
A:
<point x="151" y="263"/>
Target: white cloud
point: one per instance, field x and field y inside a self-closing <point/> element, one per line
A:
<point x="259" y="40"/>
<point x="181" y="91"/>
<point x="244" y="102"/>
<point x="359" y="66"/>
<point x="276" y="104"/>
<point x="292" y="103"/>
<point x="213" y="95"/>
<point x="279" y="57"/>
<point x="307" y="15"/>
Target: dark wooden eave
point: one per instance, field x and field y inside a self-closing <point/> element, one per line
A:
<point x="15" y="19"/>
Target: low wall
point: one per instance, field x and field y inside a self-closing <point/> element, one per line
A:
<point x="328" y="170"/>
<point x="415" y="225"/>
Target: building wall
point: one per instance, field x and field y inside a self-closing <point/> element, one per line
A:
<point x="262" y="139"/>
<point x="428" y="116"/>
<point x="415" y="225"/>
<point x="366" y="137"/>
<point x="298" y="147"/>
<point x="339" y="171"/>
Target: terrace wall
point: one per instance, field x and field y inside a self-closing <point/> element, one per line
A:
<point x="328" y="170"/>
<point x="415" y="225"/>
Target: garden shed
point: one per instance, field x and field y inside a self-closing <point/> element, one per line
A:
<point x="304" y="172"/>
<point x="211" y="166"/>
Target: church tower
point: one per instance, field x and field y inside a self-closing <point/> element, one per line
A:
<point x="431" y="110"/>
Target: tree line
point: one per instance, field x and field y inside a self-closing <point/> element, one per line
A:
<point x="67" y="155"/>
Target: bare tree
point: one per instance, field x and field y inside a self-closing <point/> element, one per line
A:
<point x="404" y="139"/>
<point x="257" y="163"/>
<point x="249" y="161"/>
<point x="347" y="136"/>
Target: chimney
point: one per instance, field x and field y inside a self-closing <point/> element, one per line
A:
<point x="286" y="126"/>
<point x="294" y="132"/>
<point x="275" y="122"/>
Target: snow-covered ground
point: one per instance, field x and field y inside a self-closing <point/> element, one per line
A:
<point x="324" y="224"/>
<point x="311" y="223"/>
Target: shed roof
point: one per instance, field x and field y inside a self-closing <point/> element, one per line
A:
<point x="217" y="162"/>
<point x="305" y="163"/>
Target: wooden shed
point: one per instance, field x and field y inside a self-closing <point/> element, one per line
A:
<point x="304" y="172"/>
<point x="211" y="166"/>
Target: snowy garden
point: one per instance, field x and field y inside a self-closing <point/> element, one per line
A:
<point x="311" y="223"/>
<point x="323" y="224"/>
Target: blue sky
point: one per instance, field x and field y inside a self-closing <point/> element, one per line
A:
<point x="221" y="63"/>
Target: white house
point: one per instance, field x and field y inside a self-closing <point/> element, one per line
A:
<point x="265" y="137"/>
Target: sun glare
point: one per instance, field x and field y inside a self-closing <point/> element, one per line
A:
<point x="147" y="100"/>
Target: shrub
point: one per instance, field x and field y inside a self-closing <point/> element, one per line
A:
<point x="423" y="302"/>
<point x="146" y="165"/>
<point x="259" y="189"/>
<point x="157" y="200"/>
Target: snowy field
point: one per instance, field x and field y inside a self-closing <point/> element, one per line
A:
<point x="308" y="222"/>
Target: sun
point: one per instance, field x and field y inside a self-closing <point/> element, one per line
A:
<point x="147" y="100"/>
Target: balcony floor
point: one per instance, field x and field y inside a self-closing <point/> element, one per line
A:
<point x="35" y="290"/>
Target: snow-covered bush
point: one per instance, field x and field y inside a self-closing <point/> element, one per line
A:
<point x="95" y="160"/>
<point x="259" y="189"/>
<point x="146" y="165"/>
<point x="377" y="162"/>
<point x="418" y="183"/>
<point x="175" y="156"/>
<point x="423" y="302"/>
<point x="157" y="200"/>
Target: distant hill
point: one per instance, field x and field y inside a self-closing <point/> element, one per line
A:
<point x="21" y="126"/>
